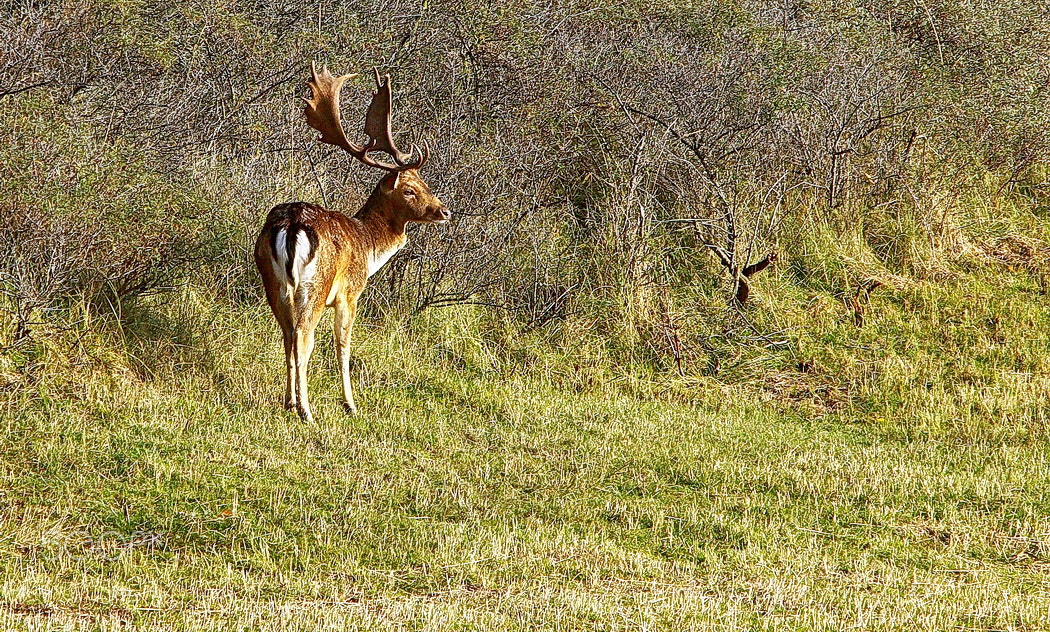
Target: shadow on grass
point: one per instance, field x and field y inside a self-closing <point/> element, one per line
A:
<point x="164" y="335"/>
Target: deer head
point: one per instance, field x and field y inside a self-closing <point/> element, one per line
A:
<point x="402" y="189"/>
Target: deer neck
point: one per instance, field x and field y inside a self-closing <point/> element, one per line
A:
<point x="384" y="231"/>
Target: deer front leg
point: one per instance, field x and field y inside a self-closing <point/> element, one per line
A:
<point x="345" y="311"/>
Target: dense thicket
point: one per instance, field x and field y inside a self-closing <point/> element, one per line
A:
<point x="595" y="152"/>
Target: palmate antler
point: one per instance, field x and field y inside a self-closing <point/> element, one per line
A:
<point x="322" y="114"/>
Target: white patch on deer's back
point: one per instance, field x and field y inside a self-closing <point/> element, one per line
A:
<point x="280" y="254"/>
<point x="280" y="265"/>
<point x="305" y="268"/>
<point x="377" y="260"/>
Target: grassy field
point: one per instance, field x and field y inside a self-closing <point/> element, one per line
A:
<point x="150" y="479"/>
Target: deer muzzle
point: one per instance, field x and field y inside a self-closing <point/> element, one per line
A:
<point x="440" y="214"/>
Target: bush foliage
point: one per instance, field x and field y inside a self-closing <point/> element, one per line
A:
<point x="595" y="153"/>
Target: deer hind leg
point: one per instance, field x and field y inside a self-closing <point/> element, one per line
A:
<point x="345" y="311"/>
<point x="303" y="341"/>
<point x="290" y="399"/>
<point x="284" y="311"/>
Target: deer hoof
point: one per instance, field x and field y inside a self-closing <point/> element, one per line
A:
<point x="349" y="409"/>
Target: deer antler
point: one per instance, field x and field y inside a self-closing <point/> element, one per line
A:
<point x="322" y="114"/>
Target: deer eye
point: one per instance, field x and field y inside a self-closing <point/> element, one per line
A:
<point x="409" y="191"/>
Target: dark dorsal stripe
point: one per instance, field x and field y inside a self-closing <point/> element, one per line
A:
<point x="289" y="244"/>
<point x="287" y="216"/>
<point x="293" y="233"/>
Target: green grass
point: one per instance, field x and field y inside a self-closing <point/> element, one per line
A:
<point x="150" y="479"/>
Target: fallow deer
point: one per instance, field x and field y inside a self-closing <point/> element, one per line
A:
<point x="311" y="258"/>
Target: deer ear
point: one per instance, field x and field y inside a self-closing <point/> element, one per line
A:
<point x="390" y="180"/>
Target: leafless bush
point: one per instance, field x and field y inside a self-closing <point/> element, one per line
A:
<point x="579" y="150"/>
<point x="51" y="259"/>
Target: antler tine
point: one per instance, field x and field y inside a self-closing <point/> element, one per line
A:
<point x="424" y="155"/>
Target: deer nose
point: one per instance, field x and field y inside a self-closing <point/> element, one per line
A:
<point x="443" y="213"/>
